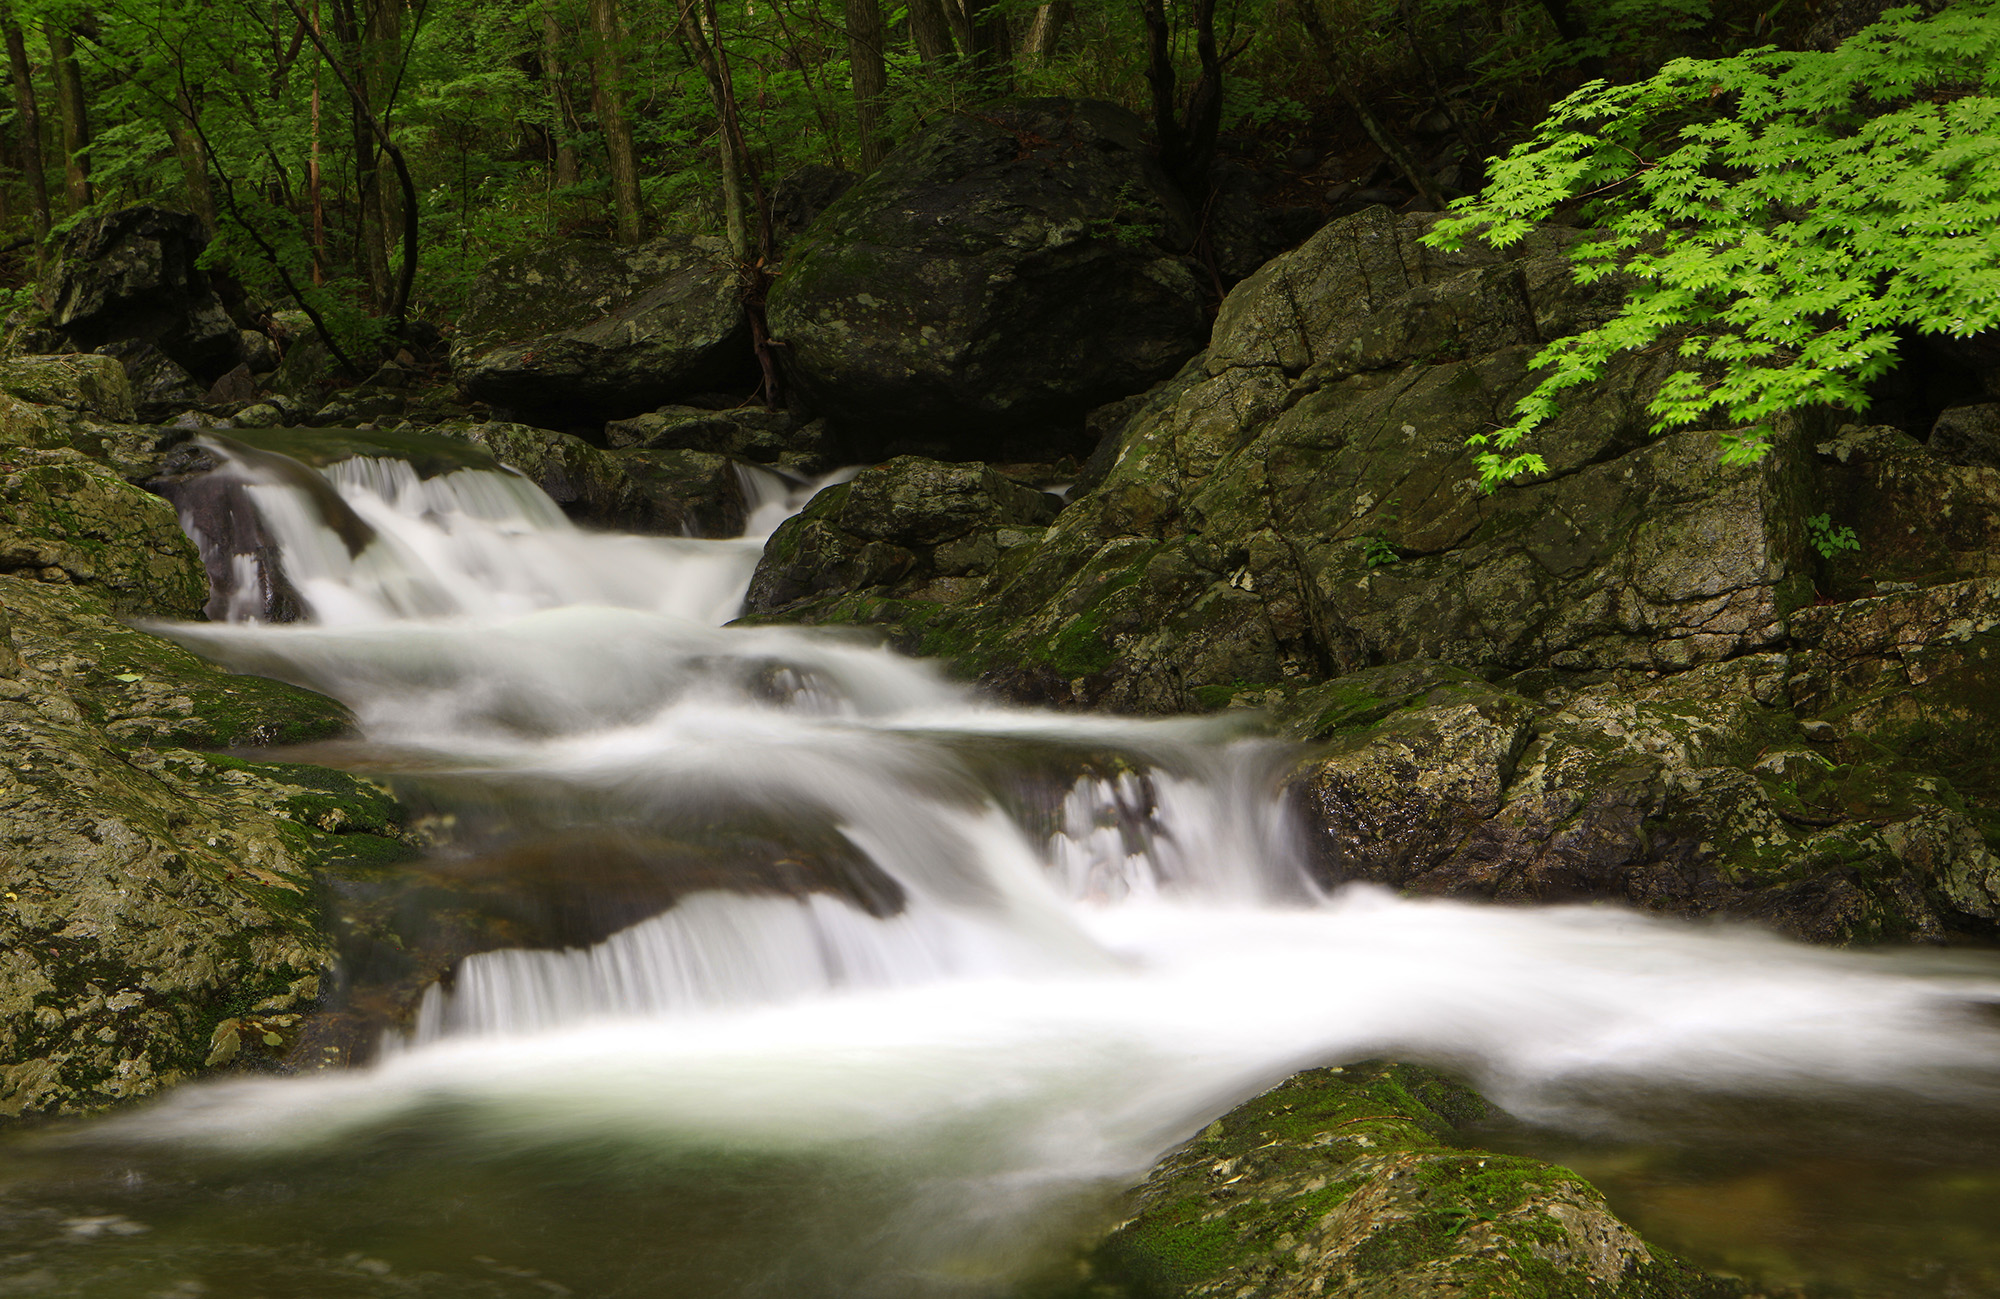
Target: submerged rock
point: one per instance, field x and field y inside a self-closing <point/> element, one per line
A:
<point x="583" y="332"/>
<point x="1354" y="1182"/>
<point x="995" y="278"/>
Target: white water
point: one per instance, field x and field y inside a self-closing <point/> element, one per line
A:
<point x="1061" y="997"/>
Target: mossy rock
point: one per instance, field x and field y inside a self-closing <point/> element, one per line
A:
<point x="1353" y="1181"/>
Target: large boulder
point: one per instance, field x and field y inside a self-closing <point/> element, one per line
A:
<point x="997" y="277"/>
<point x="1356" y="1182"/>
<point x="160" y="914"/>
<point x="1300" y="501"/>
<point x="83" y="382"/>
<point x="133" y="276"/>
<point x="575" y="334"/>
<point x="1693" y="793"/>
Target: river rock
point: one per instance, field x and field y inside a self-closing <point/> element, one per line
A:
<point x="78" y="381"/>
<point x="158" y="915"/>
<point x="1915" y="516"/>
<point x="765" y="437"/>
<point x="71" y="520"/>
<point x="161" y="387"/>
<point x="926" y="531"/>
<point x="995" y="278"/>
<point x="134" y="276"/>
<point x="1693" y="793"/>
<point x="582" y="332"/>
<point x="1353" y="1181"/>
<point x="675" y="493"/>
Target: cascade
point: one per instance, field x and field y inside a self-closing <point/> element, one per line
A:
<point x="992" y="959"/>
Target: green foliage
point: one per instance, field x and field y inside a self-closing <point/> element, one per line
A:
<point x="1828" y="540"/>
<point x="1778" y="217"/>
<point x="1377" y="550"/>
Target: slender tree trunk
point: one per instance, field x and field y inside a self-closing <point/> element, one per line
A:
<point x="382" y="40"/>
<point x="930" y="30"/>
<point x="71" y="109"/>
<point x="713" y="62"/>
<point x="609" y="67"/>
<point x="1329" y="53"/>
<point x="871" y="76"/>
<point x="566" y="129"/>
<point x="371" y="253"/>
<point x="30" y="118"/>
<point x="1045" y="30"/>
<point x="194" y="162"/>
<point x="991" y="47"/>
<point x="399" y="301"/>
<point x="960" y="18"/>
<point x="314" y="180"/>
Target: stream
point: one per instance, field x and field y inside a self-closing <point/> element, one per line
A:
<point x="991" y="963"/>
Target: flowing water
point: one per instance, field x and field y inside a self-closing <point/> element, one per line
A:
<point x="984" y="965"/>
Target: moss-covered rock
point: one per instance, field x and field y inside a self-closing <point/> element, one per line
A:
<point x="77" y="381"/>
<point x="581" y="332"/>
<point x="69" y="519"/>
<point x="907" y="535"/>
<point x="1695" y="793"/>
<point x="634" y="489"/>
<point x="1353" y="1182"/>
<point x="154" y="901"/>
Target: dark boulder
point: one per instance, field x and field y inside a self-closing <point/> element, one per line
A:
<point x="800" y="196"/>
<point x="916" y="529"/>
<point x="996" y="278"/>
<point x="572" y="335"/>
<point x="161" y="386"/>
<point x="132" y="276"/>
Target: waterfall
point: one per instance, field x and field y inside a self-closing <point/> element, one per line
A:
<point x="973" y="955"/>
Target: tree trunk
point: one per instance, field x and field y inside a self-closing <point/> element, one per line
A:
<point x="1336" y="73"/>
<point x="382" y="43"/>
<point x="608" y="64"/>
<point x="960" y="18"/>
<point x="1045" y="30"/>
<point x="713" y="61"/>
<point x="871" y="76"/>
<point x="991" y="48"/>
<point x="70" y="107"/>
<point x="194" y="161"/>
<point x="930" y="31"/>
<point x="30" y="118"/>
<point x="371" y="253"/>
<point x="566" y="129"/>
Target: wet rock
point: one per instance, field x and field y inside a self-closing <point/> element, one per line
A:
<point x="151" y="896"/>
<point x="911" y="530"/>
<point x="671" y="493"/>
<point x="765" y="437"/>
<point x="78" y="381"/>
<point x="1695" y="793"/>
<point x="238" y="386"/>
<point x="997" y="277"/>
<point x="583" y="332"/>
<point x="1353" y="1181"/>
<point x="132" y="276"/>
<point x="1299" y="502"/>
<point x="260" y="353"/>
<point x="70" y="520"/>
